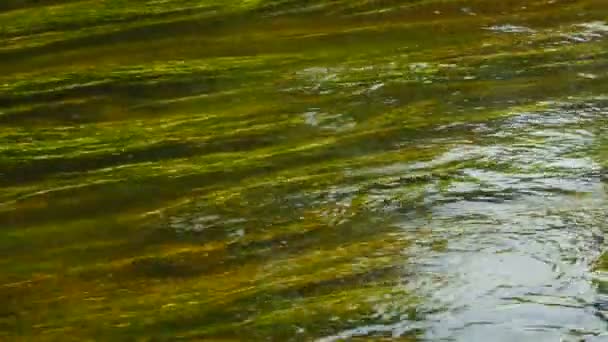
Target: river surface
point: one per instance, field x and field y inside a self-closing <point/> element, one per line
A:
<point x="320" y="170"/>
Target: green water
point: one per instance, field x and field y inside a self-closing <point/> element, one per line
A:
<point x="286" y="170"/>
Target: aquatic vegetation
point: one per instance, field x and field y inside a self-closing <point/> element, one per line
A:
<point x="302" y="170"/>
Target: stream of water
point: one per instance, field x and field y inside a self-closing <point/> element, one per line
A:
<point x="319" y="170"/>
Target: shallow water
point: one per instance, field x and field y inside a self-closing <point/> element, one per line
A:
<point x="303" y="170"/>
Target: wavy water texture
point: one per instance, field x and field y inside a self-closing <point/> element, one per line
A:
<point x="303" y="170"/>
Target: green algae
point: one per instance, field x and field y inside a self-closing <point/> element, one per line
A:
<point x="241" y="169"/>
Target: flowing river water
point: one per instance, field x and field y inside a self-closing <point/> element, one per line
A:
<point x="413" y="170"/>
